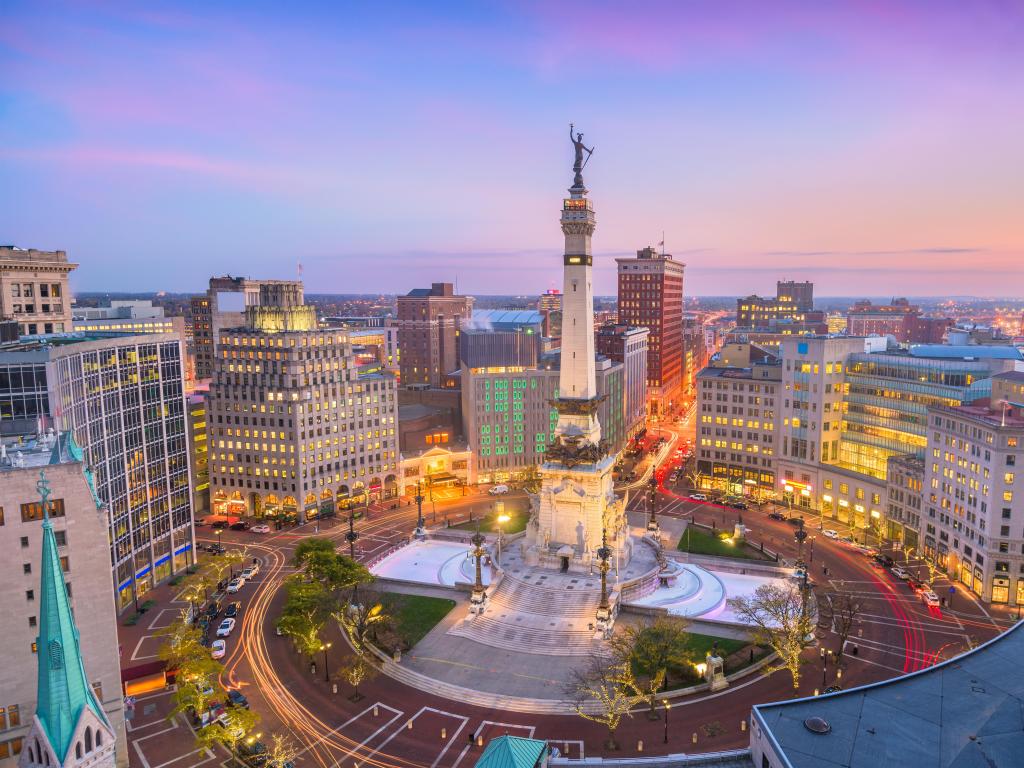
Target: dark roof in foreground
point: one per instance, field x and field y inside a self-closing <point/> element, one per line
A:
<point x="964" y="713"/>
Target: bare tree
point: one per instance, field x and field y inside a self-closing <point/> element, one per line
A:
<point x="779" y="618"/>
<point x="358" y="669"/>
<point x="843" y="613"/>
<point x="282" y="752"/>
<point x="604" y="692"/>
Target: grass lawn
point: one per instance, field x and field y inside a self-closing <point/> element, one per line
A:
<point x="416" y="615"/>
<point x="700" y="645"/>
<point x="701" y="542"/>
<point x="489" y="524"/>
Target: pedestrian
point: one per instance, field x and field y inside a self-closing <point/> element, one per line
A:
<point x="855" y="650"/>
<point x="825" y="569"/>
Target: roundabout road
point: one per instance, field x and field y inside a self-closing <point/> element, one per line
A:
<point x="394" y="725"/>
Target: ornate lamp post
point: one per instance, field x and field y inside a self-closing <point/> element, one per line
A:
<point x="800" y="536"/>
<point x="604" y="613"/>
<point x="478" y="596"/>
<point x="652" y="507"/>
<point x="327" y="676"/>
<point x="351" y="537"/>
<point x="420" y="532"/>
<point x="502" y="519"/>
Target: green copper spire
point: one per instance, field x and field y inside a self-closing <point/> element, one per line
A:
<point x="64" y="689"/>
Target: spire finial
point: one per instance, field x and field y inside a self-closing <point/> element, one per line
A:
<point x="43" y="486"/>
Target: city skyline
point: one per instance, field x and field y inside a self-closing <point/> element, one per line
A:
<point x="870" y="149"/>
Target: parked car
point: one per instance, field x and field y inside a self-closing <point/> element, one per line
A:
<point x="698" y="497"/>
<point x="216" y="549"/>
<point x="776" y="516"/>
<point x="794" y="520"/>
<point x="833" y="689"/>
<point x="739" y="505"/>
<point x="900" y="572"/>
<point x="248" y="573"/>
<point x="239" y="525"/>
<point x="832" y="534"/>
<point x="218" y="649"/>
<point x="236" y="699"/>
<point x="915" y="585"/>
<point x="885" y="560"/>
<point x="261" y="528"/>
<point x="498" y="490"/>
<point x="930" y="598"/>
<point x="226" y="628"/>
<point x="213" y="609"/>
<point x="254" y="567"/>
<point x="219" y="525"/>
<point x="252" y="753"/>
<point x="236" y="584"/>
<point x="232" y="610"/>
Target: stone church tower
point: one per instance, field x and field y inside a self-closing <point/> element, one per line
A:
<point x="69" y="728"/>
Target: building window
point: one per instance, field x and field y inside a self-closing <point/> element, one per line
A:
<point x="34" y="510"/>
<point x="31" y="621"/>
<point x="30" y="595"/>
<point x="27" y="567"/>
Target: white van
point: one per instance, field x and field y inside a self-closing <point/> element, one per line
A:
<point x="498" y="490"/>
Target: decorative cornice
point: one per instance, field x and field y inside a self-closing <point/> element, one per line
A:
<point x="570" y="407"/>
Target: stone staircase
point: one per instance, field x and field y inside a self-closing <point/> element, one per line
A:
<point x="554" y="619"/>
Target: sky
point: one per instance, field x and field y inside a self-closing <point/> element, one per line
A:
<point x="875" y="148"/>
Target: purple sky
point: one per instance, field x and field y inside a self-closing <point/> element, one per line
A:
<point x="876" y="148"/>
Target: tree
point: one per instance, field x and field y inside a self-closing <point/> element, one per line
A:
<point x="197" y="586"/>
<point x="319" y="561"/>
<point x="843" y="612"/>
<point x="654" y="647"/>
<point x="358" y="669"/>
<point x="224" y="564"/>
<point x="604" y="692"/>
<point x="779" y="618"/>
<point x="530" y="479"/>
<point x="282" y="752"/>
<point x="307" y="608"/>
<point x="364" y="619"/>
<point x="181" y="642"/>
<point x="235" y="724"/>
<point x="197" y="685"/>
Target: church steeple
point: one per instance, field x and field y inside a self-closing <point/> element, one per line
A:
<point x="69" y="723"/>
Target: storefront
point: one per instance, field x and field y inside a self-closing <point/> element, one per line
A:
<point x="1000" y="589"/>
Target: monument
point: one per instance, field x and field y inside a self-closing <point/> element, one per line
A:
<point x="577" y="514"/>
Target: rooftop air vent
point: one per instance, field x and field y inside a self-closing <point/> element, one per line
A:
<point x="817" y="725"/>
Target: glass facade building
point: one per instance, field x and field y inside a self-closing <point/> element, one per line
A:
<point x="123" y="397"/>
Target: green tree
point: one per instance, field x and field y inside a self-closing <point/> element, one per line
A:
<point x="282" y="752"/>
<point x="653" y="647"/>
<point x="320" y="561"/>
<point x="604" y="692"/>
<point x="308" y="605"/>
<point x="357" y="669"/>
<point x="365" y="620"/>
<point x="236" y="724"/>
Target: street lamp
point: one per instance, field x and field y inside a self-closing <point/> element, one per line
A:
<point x="420" y="523"/>
<point x="324" y="648"/>
<point x="502" y="519"/>
<point x="668" y="706"/>
<point x="800" y="535"/>
<point x="351" y="537"/>
<point x="477" y="598"/>
<point x="603" y="609"/>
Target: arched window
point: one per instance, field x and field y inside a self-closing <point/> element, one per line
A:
<point x="39" y="752"/>
<point x="88" y="739"/>
<point x="46" y="757"/>
<point x="99" y="738"/>
<point x="78" y="750"/>
<point x="31" y="754"/>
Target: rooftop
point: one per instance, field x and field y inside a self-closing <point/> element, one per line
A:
<point x="962" y="351"/>
<point x="984" y="414"/>
<point x="964" y="712"/>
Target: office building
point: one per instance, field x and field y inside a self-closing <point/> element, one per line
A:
<point x="851" y="404"/>
<point x="54" y="567"/>
<point x="973" y="518"/>
<point x="901" y="520"/>
<point x="502" y="337"/>
<point x="429" y="321"/>
<point x="738" y="402"/>
<point x="900" y="319"/>
<point x="199" y="463"/>
<point x="550" y="307"/>
<point x="294" y="429"/>
<point x="793" y="302"/>
<point x="136" y="316"/>
<point x="628" y="345"/>
<point x="509" y="419"/>
<point x="224" y="306"/>
<point x="123" y="397"/>
<point x="34" y="289"/>
<point x="651" y="296"/>
<point x="373" y="339"/>
<point x="695" y="352"/>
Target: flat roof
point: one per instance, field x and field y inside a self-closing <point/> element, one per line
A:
<point x="962" y="713"/>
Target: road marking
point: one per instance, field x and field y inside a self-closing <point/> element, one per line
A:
<point x="159" y="615"/>
<point x="348" y="722"/>
<point x="172" y="727"/>
<point x="138" y="646"/>
<point x="354" y="751"/>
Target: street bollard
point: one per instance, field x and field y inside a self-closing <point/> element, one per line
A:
<point x="743" y="726"/>
<point x="640" y="746"/>
<point x="375" y="712"/>
<point x="334" y="687"/>
<point x="444" y="734"/>
<point x="694" y="737"/>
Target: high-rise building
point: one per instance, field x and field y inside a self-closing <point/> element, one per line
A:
<point x="224" y="306"/>
<point x="58" y="606"/>
<point x="793" y="302"/>
<point x="136" y="316"/>
<point x="34" y="289"/>
<point x="550" y="306"/>
<point x="627" y="345"/>
<point x="695" y="352"/>
<point x="501" y="337"/>
<point x="429" y="321"/>
<point x="973" y="516"/>
<point x="373" y="338"/>
<point x="123" y="397"/>
<point x="651" y="296"/>
<point x="294" y="429"/>
<point x="198" y="444"/>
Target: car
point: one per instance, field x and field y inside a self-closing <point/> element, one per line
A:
<point x="833" y="689"/>
<point x="248" y="573"/>
<point x="885" y="560"/>
<point x="216" y="549"/>
<point x="218" y="649"/>
<point x="236" y="699"/>
<point x="739" y="505"/>
<point x="219" y="525"/>
<point x="498" y="490"/>
<point x="239" y="525"/>
<point x="916" y="585"/>
<point x="252" y="752"/>
<point x="236" y="584"/>
<point x="930" y="598"/>
<point x="900" y="572"/>
<point x="776" y="516"/>
<point x="226" y="628"/>
<point x="254" y="567"/>
<point x="261" y="528"/>
<point x="698" y="497"/>
<point x="232" y="610"/>
<point x="830" y="533"/>
<point x="794" y="520"/>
